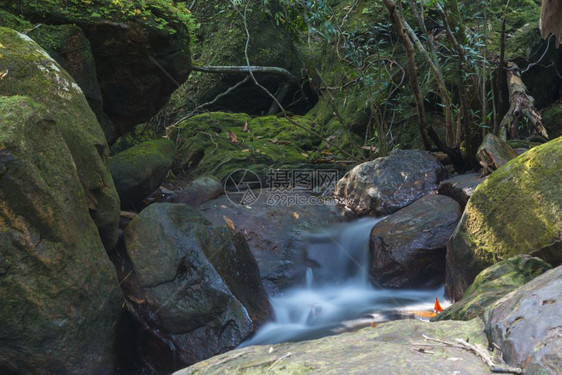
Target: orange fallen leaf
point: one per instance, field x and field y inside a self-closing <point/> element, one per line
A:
<point x="373" y="324"/>
<point x="228" y="222"/>
<point x="437" y="308"/>
<point x="296" y="215"/>
<point x="233" y="137"/>
<point x="424" y="314"/>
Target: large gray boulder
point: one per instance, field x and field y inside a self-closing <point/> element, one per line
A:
<point x="409" y="246"/>
<point x="385" y="185"/>
<point x="527" y="325"/>
<point x="195" y="284"/>
<point x="33" y="73"/>
<point x="59" y="297"/>
<point x="389" y="348"/>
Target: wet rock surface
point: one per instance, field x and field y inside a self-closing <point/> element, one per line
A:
<point x="408" y="247"/>
<point x="273" y="229"/>
<point x="195" y="286"/>
<point x="460" y="187"/>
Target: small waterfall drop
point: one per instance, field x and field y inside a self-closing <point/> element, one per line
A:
<point x="337" y="294"/>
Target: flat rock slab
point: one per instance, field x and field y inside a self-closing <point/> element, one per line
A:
<point x="389" y="348"/>
<point x="460" y="187"/>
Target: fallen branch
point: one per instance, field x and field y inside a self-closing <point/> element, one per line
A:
<point x="253" y="69"/>
<point x="521" y="105"/>
<point x="279" y="360"/>
<point x="480" y="352"/>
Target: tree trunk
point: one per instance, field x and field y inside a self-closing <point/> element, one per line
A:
<point x="398" y="22"/>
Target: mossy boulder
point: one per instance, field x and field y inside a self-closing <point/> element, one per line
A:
<point x="139" y="171"/>
<point x="221" y="41"/>
<point x="59" y="297"/>
<point x="494" y="283"/>
<point x="517" y="210"/>
<point x="552" y="120"/>
<point x="69" y="47"/>
<point x="141" y="49"/>
<point x="217" y="144"/>
<point x="33" y="73"/>
<point x="196" y="284"/>
<point x="388" y="348"/>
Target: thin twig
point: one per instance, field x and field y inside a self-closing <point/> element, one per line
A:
<point x="482" y="353"/>
<point x="279" y="360"/>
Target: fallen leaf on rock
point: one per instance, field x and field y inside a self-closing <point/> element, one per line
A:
<point x="296" y="215"/>
<point x="223" y="206"/>
<point x="228" y="222"/>
<point x="233" y="137"/>
<point x="424" y="314"/>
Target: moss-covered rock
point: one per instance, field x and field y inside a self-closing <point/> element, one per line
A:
<point x="216" y="144"/>
<point x="141" y="49"/>
<point x="139" y="171"/>
<point x="59" y="298"/>
<point x="517" y="210"/>
<point x="384" y="349"/>
<point x="494" y="283"/>
<point x="221" y="41"/>
<point x="33" y="73"/>
<point x="552" y="120"/>
<point x="68" y="46"/>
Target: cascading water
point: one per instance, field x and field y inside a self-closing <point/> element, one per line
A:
<point x="337" y="293"/>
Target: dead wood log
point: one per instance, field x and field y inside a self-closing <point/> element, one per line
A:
<point x="521" y="105"/>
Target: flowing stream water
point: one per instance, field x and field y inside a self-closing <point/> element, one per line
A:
<point x="337" y="294"/>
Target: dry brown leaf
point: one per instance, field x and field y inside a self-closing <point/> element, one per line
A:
<point x="246" y="150"/>
<point x="228" y="222"/>
<point x="296" y="215"/>
<point x="233" y="137"/>
<point x="304" y="154"/>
